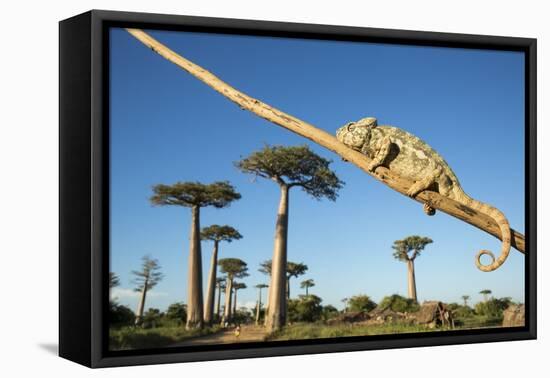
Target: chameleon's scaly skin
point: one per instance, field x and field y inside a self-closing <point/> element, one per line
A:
<point x="411" y="158"/>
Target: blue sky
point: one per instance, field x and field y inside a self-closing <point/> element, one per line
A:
<point x="166" y="126"/>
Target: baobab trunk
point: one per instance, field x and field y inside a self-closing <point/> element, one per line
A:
<point x="258" y="306"/>
<point x="218" y="302"/>
<point x="211" y="288"/>
<point x="227" y="310"/>
<point x="194" y="291"/>
<point x="276" y="317"/>
<point x="141" y="304"/>
<point x="412" y="280"/>
<point x="235" y="301"/>
<point x="288" y="288"/>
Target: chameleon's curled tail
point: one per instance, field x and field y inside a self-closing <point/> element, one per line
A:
<point x="505" y="232"/>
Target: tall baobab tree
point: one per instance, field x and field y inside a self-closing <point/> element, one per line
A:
<point x="220" y="283"/>
<point x="485" y="293"/>
<point x="216" y="234"/>
<point x="259" y="302"/>
<point x="114" y="281"/>
<point x="236" y="287"/>
<point x="233" y="268"/>
<point x="307" y="284"/>
<point x="195" y="195"/>
<point x="288" y="167"/>
<point x="145" y="279"/>
<point x="465" y="299"/>
<point x="407" y="250"/>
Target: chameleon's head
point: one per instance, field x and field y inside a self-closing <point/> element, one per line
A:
<point x="354" y="134"/>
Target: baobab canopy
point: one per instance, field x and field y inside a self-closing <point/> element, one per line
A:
<point x="188" y="194"/>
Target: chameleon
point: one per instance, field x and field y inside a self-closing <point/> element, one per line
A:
<point x="411" y="158"/>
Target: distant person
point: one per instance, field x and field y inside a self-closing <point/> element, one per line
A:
<point x="237" y="331"/>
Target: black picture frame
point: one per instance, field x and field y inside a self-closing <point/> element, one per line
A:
<point x="84" y="187"/>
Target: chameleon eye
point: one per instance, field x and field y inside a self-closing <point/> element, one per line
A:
<point x="351" y="127"/>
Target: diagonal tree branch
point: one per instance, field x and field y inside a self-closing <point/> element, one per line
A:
<point x="444" y="204"/>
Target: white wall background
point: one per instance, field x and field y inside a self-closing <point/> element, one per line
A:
<point x="29" y="175"/>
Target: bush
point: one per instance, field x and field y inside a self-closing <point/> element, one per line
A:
<point x="307" y="308"/>
<point x="152" y="318"/>
<point x="120" y="315"/>
<point x="359" y="303"/>
<point x="398" y="303"/>
<point x="177" y="312"/>
<point x="329" y="312"/>
<point x="493" y="308"/>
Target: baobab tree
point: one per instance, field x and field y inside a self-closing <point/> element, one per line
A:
<point x="216" y="234"/>
<point x="259" y="302"/>
<point x="465" y="299"/>
<point x="233" y="268"/>
<point x="236" y="287"/>
<point x="345" y="302"/>
<point x="485" y="293"/>
<point x="114" y="281"/>
<point x="307" y="284"/>
<point x="220" y="283"/>
<point x="145" y="279"/>
<point x="288" y="167"/>
<point x="195" y="195"/>
<point x="292" y="270"/>
<point x="402" y="252"/>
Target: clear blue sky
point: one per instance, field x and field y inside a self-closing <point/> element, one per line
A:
<point x="166" y="126"/>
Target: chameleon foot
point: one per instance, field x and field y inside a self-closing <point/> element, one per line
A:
<point x="428" y="210"/>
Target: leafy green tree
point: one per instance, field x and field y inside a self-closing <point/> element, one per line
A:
<point x="120" y="315"/>
<point x="407" y="250"/>
<point x="485" y="293"/>
<point x="305" y="309"/>
<point x="195" y="195"/>
<point x="152" y="318"/>
<point x="216" y="234"/>
<point x="288" y="167"/>
<point x="259" y="302"/>
<point x="361" y="303"/>
<point x="329" y="312"/>
<point x="177" y="312"/>
<point x="398" y="303"/>
<point x="493" y="308"/>
<point x="306" y="284"/>
<point x="145" y="279"/>
<point x="233" y="268"/>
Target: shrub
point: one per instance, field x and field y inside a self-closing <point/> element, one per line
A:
<point x="120" y="315"/>
<point x="329" y="312"/>
<point x="361" y="303"/>
<point x="307" y="308"/>
<point x="177" y="312"/>
<point x="494" y="307"/>
<point x="398" y="303"/>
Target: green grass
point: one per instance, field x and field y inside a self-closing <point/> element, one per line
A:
<point x="141" y="338"/>
<point x="301" y="331"/>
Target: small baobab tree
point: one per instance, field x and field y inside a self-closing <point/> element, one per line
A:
<point x="233" y="268"/>
<point x="216" y="234"/>
<point x="236" y="287"/>
<point x="145" y="279"/>
<point x="485" y="293"/>
<point x="292" y="270"/>
<point x="288" y="167"/>
<point x="465" y="298"/>
<point x="345" y="302"/>
<point x="195" y="195"/>
<point x="259" y="302"/>
<point x="306" y="284"/>
<point x="220" y="283"/>
<point x="407" y="250"/>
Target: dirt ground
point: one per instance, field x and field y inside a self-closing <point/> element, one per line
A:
<point x="249" y="333"/>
